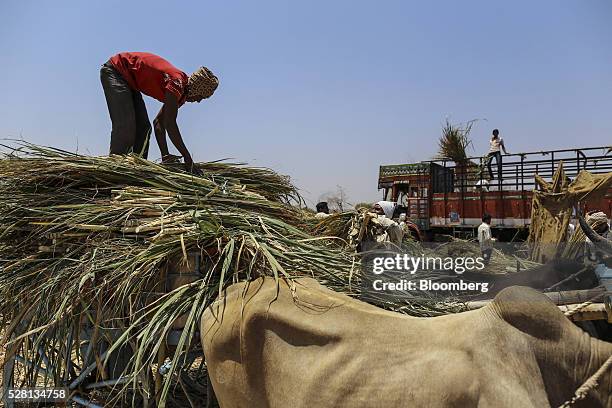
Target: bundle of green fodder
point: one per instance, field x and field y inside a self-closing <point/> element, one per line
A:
<point x="83" y="240"/>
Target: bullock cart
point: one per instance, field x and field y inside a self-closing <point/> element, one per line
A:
<point x="94" y="367"/>
<point x="82" y="243"/>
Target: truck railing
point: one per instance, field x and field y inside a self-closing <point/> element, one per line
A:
<point x="518" y="170"/>
<point x="454" y="187"/>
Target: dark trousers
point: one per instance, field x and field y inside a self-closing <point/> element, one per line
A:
<point x="498" y="159"/>
<point x="486" y="255"/>
<point x="131" y="127"/>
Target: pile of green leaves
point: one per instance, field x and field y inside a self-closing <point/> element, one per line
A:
<point x="83" y="240"/>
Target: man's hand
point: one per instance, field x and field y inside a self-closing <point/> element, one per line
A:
<point x="171" y="159"/>
<point x="168" y="118"/>
<point x="191" y="167"/>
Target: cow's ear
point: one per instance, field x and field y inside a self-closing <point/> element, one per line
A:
<point x="531" y="312"/>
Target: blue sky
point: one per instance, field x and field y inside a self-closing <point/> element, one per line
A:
<point x="324" y="91"/>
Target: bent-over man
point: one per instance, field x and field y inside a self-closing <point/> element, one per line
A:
<point x="128" y="75"/>
<point x="391" y="231"/>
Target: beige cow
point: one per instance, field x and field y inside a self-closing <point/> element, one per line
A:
<point x="267" y="345"/>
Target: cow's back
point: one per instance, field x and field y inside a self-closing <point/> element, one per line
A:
<point x="270" y="344"/>
<point x="261" y="335"/>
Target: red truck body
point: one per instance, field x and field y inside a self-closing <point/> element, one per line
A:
<point x="442" y="196"/>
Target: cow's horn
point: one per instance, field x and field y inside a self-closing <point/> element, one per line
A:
<point x="595" y="238"/>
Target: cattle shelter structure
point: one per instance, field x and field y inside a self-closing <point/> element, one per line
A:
<point x="442" y="196"/>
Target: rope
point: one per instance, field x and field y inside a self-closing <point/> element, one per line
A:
<point x="590" y="384"/>
<point x="569" y="313"/>
<point x="577" y="309"/>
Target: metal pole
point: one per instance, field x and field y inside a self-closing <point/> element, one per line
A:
<point x="86" y="372"/>
<point x="7" y="382"/>
<point x="446" y="193"/>
<point x="552" y="162"/>
<point x="523" y="204"/>
<point x="517" y="177"/>
<point x="463" y="177"/>
<point x="107" y="383"/>
<point x="84" y="402"/>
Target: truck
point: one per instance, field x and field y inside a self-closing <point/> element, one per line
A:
<point x="445" y="197"/>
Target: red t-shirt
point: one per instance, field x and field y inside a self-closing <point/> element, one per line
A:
<point x="151" y="74"/>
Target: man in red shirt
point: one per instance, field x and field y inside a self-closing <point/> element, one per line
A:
<point x="125" y="77"/>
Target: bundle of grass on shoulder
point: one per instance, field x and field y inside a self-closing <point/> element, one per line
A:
<point x="87" y="245"/>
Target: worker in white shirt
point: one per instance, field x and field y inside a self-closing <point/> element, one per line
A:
<point x="322" y="210"/>
<point x="402" y="220"/>
<point x="495" y="145"/>
<point x="391" y="231"/>
<point x="485" y="239"/>
<point x="482" y="185"/>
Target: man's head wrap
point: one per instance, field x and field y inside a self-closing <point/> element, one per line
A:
<point x="598" y="221"/>
<point x="388" y="207"/>
<point x="202" y="84"/>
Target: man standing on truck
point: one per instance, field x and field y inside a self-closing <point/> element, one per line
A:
<point x="485" y="239"/>
<point x="125" y="77"/>
<point x="495" y="144"/>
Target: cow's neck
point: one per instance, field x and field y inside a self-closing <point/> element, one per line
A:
<point x="566" y="365"/>
<point x="600" y="352"/>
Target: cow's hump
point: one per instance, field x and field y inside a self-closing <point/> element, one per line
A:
<point x="531" y="312"/>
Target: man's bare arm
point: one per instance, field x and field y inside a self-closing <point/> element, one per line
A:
<point x="160" y="134"/>
<point x="169" y="113"/>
